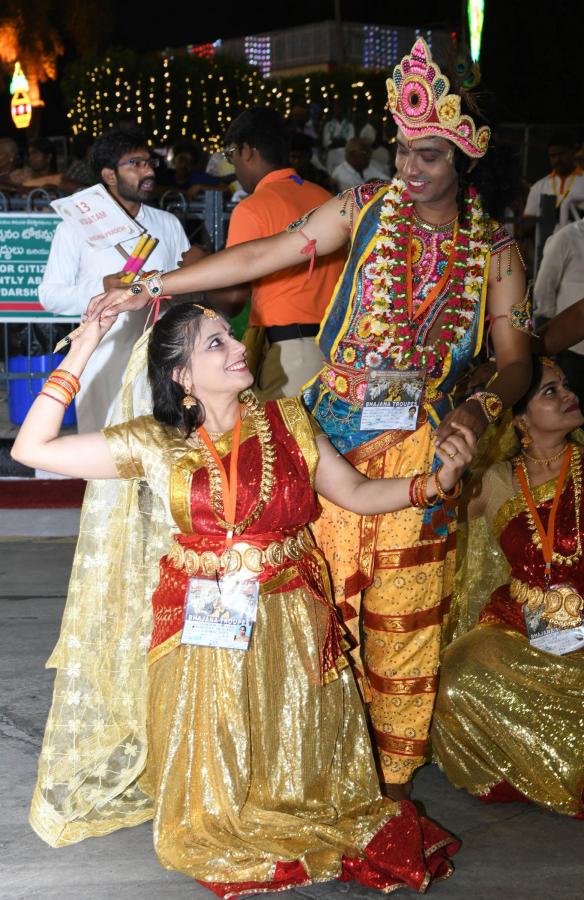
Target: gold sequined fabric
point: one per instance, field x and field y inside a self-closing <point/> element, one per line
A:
<point x="392" y="578"/>
<point x="507" y="712"/>
<point x="252" y="761"/>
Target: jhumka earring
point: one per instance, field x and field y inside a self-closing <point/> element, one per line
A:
<point x="525" y="436"/>
<point x="188" y="401"/>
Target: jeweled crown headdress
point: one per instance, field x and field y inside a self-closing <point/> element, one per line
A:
<point x="422" y="107"/>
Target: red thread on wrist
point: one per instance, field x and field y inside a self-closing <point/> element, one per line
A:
<point x="309" y="249"/>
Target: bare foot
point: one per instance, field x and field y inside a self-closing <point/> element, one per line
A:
<point x="397" y="791"/>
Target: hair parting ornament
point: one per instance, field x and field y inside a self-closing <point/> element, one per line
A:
<point x="421" y="106"/>
<point x="551" y="364"/>
<point x="210" y="313"/>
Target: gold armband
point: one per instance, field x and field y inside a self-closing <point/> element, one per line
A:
<point x="491" y="404"/>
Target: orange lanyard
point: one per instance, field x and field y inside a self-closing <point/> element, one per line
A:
<point x="561" y="194"/>
<point x="436" y="290"/>
<point x="229" y="486"/>
<point x="546" y="536"/>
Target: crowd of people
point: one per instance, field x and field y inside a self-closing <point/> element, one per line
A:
<point x="401" y="383"/>
<point x="319" y="152"/>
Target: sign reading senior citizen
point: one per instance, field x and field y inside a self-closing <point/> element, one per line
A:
<point x="25" y="242"/>
<point x="97" y="218"/>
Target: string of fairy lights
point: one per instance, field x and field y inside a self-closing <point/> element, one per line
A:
<point x="196" y="93"/>
<point x="197" y="97"/>
<point x="168" y="97"/>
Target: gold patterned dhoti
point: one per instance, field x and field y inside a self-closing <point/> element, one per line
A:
<point x="403" y="571"/>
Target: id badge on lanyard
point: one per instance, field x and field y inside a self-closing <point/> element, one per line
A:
<point x="221" y="612"/>
<point x="392" y="400"/>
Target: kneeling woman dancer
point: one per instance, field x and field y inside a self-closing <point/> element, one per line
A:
<point x="249" y="750"/>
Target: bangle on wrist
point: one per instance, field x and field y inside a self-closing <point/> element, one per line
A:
<point x="151" y="282"/>
<point x="59" y="391"/>
<point x="418" y="492"/>
<point x="454" y="492"/>
<point x="491" y="404"/>
<point x="67" y="376"/>
<point x="61" y="386"/>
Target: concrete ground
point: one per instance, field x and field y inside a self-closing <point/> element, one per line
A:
<point x="509" y="851"/>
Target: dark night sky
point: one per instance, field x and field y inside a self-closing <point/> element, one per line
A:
<point x="205" y="21"/>
<point x="530" y="61"/>
<point x="531" y="57"/>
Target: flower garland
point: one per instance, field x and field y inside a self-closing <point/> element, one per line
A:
<point x="389" y="274"/>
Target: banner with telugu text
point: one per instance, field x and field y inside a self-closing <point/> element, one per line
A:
<point x="25" y="242"/>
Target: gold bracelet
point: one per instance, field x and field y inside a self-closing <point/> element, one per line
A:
<point x="454" y="492"/>
<point x="491" y="404"/>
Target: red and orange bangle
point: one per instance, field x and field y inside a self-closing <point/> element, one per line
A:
<point x="69" y="377"/>
<point x="411" y="491"/>
<point x="418" y="491"/>
<point x="62" y="383"/>
<point x="454" y="492"/>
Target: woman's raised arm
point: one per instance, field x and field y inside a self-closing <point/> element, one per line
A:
<point x="38" y="443"/>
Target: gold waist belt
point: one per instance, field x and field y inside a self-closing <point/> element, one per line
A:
<point x="242" y="556"/>
<point x="562" y="604"/>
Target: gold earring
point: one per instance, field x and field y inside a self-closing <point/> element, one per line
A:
<point x="526" y="439"/>
<point x="188" y="401"/>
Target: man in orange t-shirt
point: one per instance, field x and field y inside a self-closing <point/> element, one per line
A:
<point x="289" y="305"/>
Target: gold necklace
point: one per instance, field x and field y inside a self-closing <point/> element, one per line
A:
<point x="264" y="435"/>
<point x="427" y="226"/>
<point x="217" y="435"/>
<point x="545" y="460"/>
<point x="576" y="473"/>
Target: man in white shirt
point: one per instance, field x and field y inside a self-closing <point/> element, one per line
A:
<point x="565" y="183"/>
<point x="560" y="284"/>
<point x="336" y="131"/>
<point x="75" y="273"/>
<point x="357" y="167"/>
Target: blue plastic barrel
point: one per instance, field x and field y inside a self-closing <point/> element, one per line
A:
<point x="22" y="391"/>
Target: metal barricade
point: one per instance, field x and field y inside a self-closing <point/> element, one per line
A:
<point x="204" y="218"/>
<point x="39" y="199"/>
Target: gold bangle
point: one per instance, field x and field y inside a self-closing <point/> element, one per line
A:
<point x="67" y="376"/>
<point x="454" y="492"/>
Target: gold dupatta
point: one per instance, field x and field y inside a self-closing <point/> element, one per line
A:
<point x="94" y="746"/>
